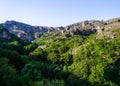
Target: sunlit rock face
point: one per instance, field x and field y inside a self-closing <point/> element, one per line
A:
<point x="30" y="33"/>
<point x="25" y="31"/>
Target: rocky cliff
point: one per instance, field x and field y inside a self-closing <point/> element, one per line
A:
<point x="4" y="33"/>
<point x="25" y="31"/>
<point x="30" y="33"/>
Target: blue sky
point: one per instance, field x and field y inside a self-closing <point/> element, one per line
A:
<point x="58" y="12"/>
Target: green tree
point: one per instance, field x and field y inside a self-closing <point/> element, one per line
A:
<point x="29" y="48"/>
<point x="8" y="75"/>
<point x="38" y="54"/>
<point x="14" y="58"/>
<point x="32" y="71"/>
<point x="47" y="82"/>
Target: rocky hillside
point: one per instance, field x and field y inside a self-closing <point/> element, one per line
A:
<point x="81" y="54"/>
<point x="25" y="31"/>
<point x="30" y="33"/>
<point x="4" y="33"/>
<point x="6" y="36"/>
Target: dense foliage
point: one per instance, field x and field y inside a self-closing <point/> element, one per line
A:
<point x="58" y="61"/>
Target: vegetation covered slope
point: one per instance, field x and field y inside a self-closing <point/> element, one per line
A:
<point x="58" y="60"/>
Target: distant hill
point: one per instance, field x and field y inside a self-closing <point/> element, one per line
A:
<point x="25" y="31"/>
<point x="11" y="41"/>
<point x="30" y="33"/>
<point x="5" y="35"/>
